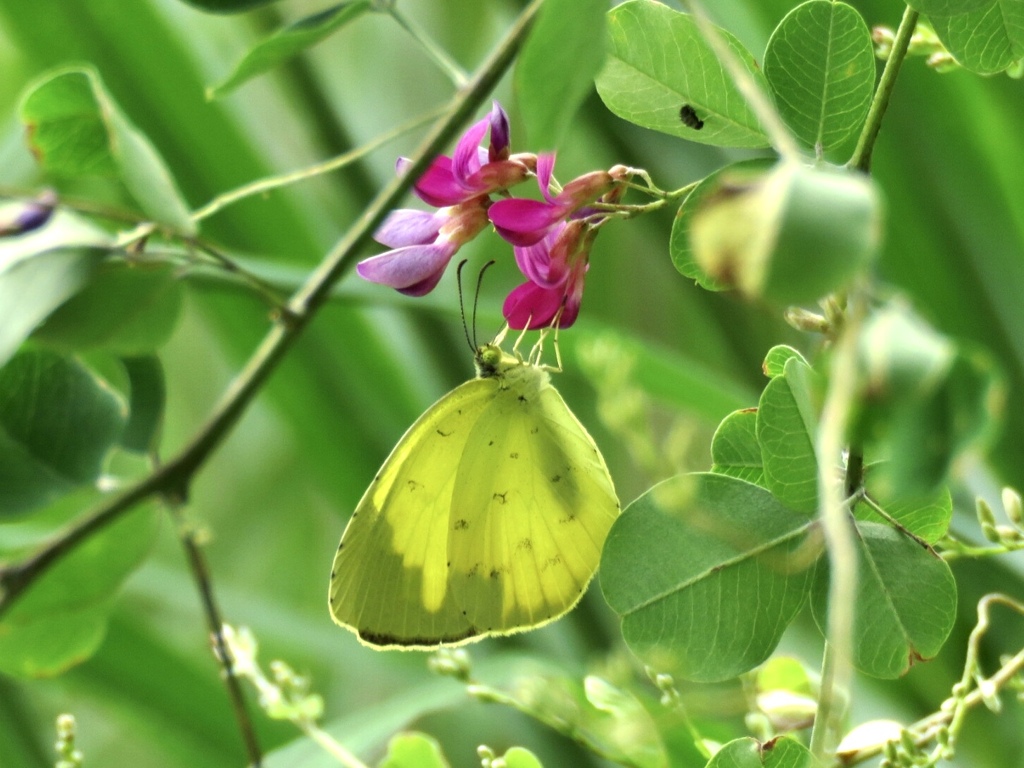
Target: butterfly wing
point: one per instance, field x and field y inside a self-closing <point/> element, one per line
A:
<point x="532" y="505"/>
<point x="389" y="581"/>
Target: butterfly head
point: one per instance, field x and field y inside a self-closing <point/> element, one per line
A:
<point x="493" y="362"/>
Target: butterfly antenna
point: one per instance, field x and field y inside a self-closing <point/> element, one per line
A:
<point x="476" y="297"/>
<point x="462" y="309"/>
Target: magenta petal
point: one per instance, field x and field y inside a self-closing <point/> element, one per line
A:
<point x="499" y="145"/>
<point x="409" y="227"/>
<point x="466" y="158"/>
<point x="408" y="268"/>
<point x="438" y="186"/>
<point x="545" y="169"/>
<point x="524" y="222"/>
<point x="530" y="306"/>
<point x="535" y="260"/>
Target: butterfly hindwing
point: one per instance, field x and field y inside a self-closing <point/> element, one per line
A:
<point x="533" y="503"/>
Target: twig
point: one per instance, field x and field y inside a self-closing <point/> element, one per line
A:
<point x="175" y="476"/>
<point x="201" y="574"/>
<point x="861" y="159"/>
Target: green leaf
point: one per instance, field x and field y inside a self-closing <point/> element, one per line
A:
<point x="127" y="308"/>
<point x="680" y="249"/>
<point x="734" y="448"/>
<point x="658" y="62"/>
<point x="146" y="404"/>
<point x="556" y="69"/>
<point x="925" y="515"/>
<point x="780" y="752"/>
<point x="76" y="129"/>
<point x="985" y="36"/>
<point x="786" y="425"/>
<point x="820" y="65"/>
<point x="704" y="572"/>
<point x="790" y="235"/>
<point x="60" y="620"/>
<point x="53" y="644"/>
<point x="290" y="41"/>
<point x="57" y="422"/>
<point x="41" y="270"/>
<point x="776" y="359"/>
<point x="414" y="750"/>
<point x="905" y="604"/>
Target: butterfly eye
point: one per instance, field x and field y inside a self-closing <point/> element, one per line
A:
<point x="689" y="117"/>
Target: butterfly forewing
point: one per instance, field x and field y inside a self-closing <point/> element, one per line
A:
<point x="389" y="580"/>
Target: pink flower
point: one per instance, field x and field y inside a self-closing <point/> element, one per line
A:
<point x="422" y="245"/>
<point x="422" y="242"/>
<point x="526" y="222"/>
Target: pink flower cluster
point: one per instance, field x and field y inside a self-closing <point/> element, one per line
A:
<point x="551" y="238"/>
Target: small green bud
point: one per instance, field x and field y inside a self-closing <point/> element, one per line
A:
<point x="907" y="742"/>
<point x="1013" y="506"/>
<point x="1009" y="535"/>
<point x="804" y="320"/>
<point x="1016" y="70"/>
<point x="984" y="512"/>
<point x="942" y="62"/>
<point x="991" y="533"/>
<point x="990" y="696"/>
<point x="486" y="755"/>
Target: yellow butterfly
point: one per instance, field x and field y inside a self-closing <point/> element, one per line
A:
<point x="487" y="518"/>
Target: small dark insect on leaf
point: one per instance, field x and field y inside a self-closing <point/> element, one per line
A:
<point x="689" y="117"/>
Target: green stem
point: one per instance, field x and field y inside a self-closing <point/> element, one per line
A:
<point x="174" y="477"/>
<point x="335" y="163"/>
<point x="837" y="669"/>
<point x="444" y="62"/>
<point x="861" y="159"/>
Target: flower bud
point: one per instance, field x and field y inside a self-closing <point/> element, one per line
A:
<point x="1013" y="506"/>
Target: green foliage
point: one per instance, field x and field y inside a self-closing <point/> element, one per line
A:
<point x="905" y="606"/>
<point x="556" y="69"/>
<point x="820" y="66"/>
<point x="228" y="6"/>
<point x="658" y="62"/>
<point x="985" y="36"/>
<point x="113" y="340"/>
<point x="58" y="420"/>
<point x="76" y="129"/>
<point x="290" y="41"/>
<point x="675" y="553"/>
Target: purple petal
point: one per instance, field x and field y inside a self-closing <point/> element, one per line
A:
<point x="524" y="222"/>
<point x="499" y="146"/>
<point x="545" y="170"/>
<point x="409" y="227"/>
<point x="409" y="269"/>
<point x="438" y="186"/>
<point x="535" y="261"/>
<point x="466" y="158"/>
<point x="530" y="306"/>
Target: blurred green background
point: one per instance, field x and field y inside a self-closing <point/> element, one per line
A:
<point x="276" y="497"/>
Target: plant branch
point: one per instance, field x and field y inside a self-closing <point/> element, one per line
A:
<point x="861" y="159"/>
<point x="174" y="477"/>
<point x="201" y="574"/>
<point x="837" y="668"/>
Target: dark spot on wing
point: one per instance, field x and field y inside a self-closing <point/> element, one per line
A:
<point x="413" y="485"/>
<point x="534" y="430"/>
<point x="500" y="497"/>
<point x="525" y="544"/>
<point x="461" y="524"/>
<point x="495" y="573"/>
<point x="514" y="455"/>
<point x="443" y="434"/>
<point x="556" y="478"/>
<point x="474" y="570"/>
<point x="522" y="399"/>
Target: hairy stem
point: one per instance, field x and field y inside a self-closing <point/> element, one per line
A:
<point x="861" y="159"/>
<point x="174" y="478"/>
